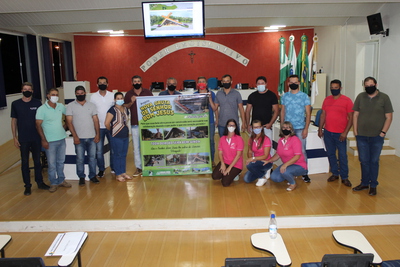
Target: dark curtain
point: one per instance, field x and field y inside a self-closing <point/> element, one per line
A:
<point x="3" y="100"/>
<point x="34" y="65"/>
<point x="69" y="70"/>
<point x="47" y="63"/>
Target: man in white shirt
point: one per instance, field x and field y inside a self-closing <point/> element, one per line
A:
<point x="103" y="99"/>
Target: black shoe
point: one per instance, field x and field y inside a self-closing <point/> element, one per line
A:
<point x="94" y="180"/>
<point x="43" y="186"/>
<point x="372" y="191"/>
<point x="81" y="181"/>
<point x="306" y="179"/>
<point x="346" y="182"/>
<point x="27" y="191"/>
<point x="360" y="187"/>
<point x="100" y="174"/>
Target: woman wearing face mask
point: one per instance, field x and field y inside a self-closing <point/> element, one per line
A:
<point x="117" y="123"/>
<point x="289" y="150"/>
<point x="230" y="151"/>
<point x="258" y="149"/>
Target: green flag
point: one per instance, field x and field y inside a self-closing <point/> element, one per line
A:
<point x="283" y="60"/>
<point x="303" y="67"/>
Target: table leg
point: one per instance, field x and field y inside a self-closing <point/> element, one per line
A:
<point x="79" y="259"/>
<point x="2" y="253"/>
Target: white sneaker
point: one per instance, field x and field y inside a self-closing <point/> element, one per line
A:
<point x="267" y="174"/>
<point x="261" y="181"/>
<point x="236" y="178"/>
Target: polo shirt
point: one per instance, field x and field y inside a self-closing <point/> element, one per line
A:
<point x="103" y="104"/>
<point x="229" y="150"/>
<point x="257" y="152"/>
<point x="82" y="118"/>
<point x="52" y="124"/>
<point x="295" y="108"/>
<point x="336" y="111"/>
<point x="288" y="150"/>
<point x="165" y="92"/>
<point x="133" y="108"/>
<point x="372" y="113"/>
<point x="210" y="110"/>
<point x="228" y="106"/>
<point x="25" y="113"/>
<point x="262" y="106"/>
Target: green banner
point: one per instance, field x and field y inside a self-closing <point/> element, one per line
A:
<point x="174" y="134"/>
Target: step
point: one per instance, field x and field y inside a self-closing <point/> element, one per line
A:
<point x="351" y="141"/>
<point x="386" y="150"/>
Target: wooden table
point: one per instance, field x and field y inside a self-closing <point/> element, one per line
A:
<point x="4" y="240"/>
<point x="274" y="246"/>
<point x="356" y="240"/>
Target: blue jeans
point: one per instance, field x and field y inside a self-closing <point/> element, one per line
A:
<point x="369" y="150"/>
<point x="299" y="134"/>
<point x="100" y="150"/>
<point x="136" y="146"/>
<point x="211" y="131"/>
<point x="332" y="143"/>
<point x="34" y="147"/>
<point x="291" y="171"/>
<point x="89" y="146"/>
<point x="120" y="147"/>
<point x="256" y="170"/>
<point x="55" y="160"/>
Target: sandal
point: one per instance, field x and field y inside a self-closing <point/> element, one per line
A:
<point x="126" y="176"/>
<point x="120" y="178"/>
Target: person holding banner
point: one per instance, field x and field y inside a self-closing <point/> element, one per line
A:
<point x="289" y="150"/>
<point x="259" y="148"/>
<point x="230" y="151"/>
<point x="117" y="123"/>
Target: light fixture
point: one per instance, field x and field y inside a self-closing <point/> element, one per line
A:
<point x="117" y="32"/>
<point x="104" y="31"/>
<point x="274" y="27"/>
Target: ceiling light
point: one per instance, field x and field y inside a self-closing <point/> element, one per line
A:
<point x="278" y="26"/>
<point x="104" y="31"/>
<point x="117" y="32"/>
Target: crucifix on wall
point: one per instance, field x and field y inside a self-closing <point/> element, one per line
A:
<point x="191" y="54"/>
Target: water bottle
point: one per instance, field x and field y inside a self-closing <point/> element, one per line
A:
<point x="273" y="229"/>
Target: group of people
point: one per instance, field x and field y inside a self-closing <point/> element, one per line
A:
<point x="36" y="126"/>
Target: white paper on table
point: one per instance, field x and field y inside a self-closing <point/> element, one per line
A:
<point x="66" y="243"/>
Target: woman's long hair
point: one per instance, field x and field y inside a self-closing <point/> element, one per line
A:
<point x="262" y="135"/>
<point x="237" y="131"/>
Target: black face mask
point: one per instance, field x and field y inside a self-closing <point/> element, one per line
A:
<point x="27" y="93"/>
<point x="226" y="85"/>
<point x="286" y="132"/>
<point x="293" y="86"/>
<point x="370" y="90"/>
<point x="80" y="97"/>
<point x="335" y="92"/>
<point x="102" y="86"/>
<point x="137" y="85"/>
<point x="171" y="87"/>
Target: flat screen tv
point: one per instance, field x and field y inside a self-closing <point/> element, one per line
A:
<point x="173" y="19"/>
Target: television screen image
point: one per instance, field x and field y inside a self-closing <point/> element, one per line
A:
<point x="173" y="19"/>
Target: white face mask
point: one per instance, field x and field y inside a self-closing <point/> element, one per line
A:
<point x="231" y="129"/>
<point x="261" y="87"/>
<point x="53" y="99"/>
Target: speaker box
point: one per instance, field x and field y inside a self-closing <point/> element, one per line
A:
<point x="375" y="24"/>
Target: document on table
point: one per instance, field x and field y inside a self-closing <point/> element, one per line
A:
<point x="66" y="243"/>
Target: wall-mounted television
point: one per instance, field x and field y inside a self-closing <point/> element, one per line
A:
<point x="162" y="19"/>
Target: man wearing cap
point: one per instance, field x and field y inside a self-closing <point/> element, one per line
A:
<point x="84" y="125"/>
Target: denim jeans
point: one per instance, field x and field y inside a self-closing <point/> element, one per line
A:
<point x="291" y="171"/>
<point x="120" y="147"/>
<point x="55" y="160"/>
<point x="256" y="170"/>
<point x="136" y="146"/>
<point x="34" y="148"/>
<point x="89" y="146"/>
<point x="299" y="134"/>
<point x="332" y="143"/>
<point x="211" y="130"/>
<point x="100" y="150"/>
<point x="369" y="150"/>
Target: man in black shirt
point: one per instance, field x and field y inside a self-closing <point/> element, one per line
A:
<point x="26" y="138"/>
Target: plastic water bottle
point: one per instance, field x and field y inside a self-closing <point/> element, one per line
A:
<point x="273" y="229"/>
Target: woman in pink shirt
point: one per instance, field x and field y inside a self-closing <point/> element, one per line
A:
<point x="258" y="149"/>
<point x="289" y="150"/>
<point x="230" y="151"/>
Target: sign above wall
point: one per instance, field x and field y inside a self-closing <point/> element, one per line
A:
<point x="191" y="44"/>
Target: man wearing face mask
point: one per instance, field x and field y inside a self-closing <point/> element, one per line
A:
<point x="49" y="124"/>
<point x="130" y="102"/>
<point x="296" y="108"/>
<point x="171" y="87"/>
<point x="373" y="113"/>
<point x="336" y="120"/>
<point x="103" y="99"/>
<point x="82" y="121"/>
<point x="263" y="106"/>
<point x="229" y="102"/>
<point x="26" y="137"/>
